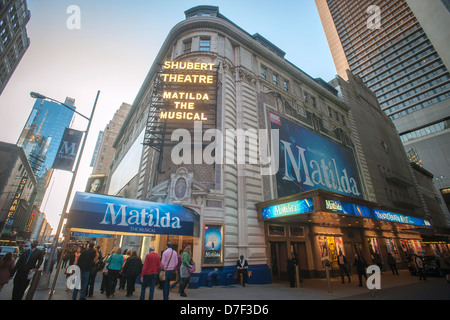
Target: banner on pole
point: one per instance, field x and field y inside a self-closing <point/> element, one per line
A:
<point x="68" y="150"/>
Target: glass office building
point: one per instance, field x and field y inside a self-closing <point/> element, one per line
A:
<point x="385" y="44"/>
<point x="41" y="137"/>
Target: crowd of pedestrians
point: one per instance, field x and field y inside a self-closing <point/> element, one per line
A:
<point x="125" y="269"/>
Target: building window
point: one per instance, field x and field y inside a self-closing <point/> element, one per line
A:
<point x="187" y="45"/>
<point x="205" y="44"/>
<point x="286" y="85"/>
<point x="264" y="72"/>
<point x="275" y="79"/>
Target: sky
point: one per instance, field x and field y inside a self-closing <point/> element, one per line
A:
<point x="112" y="52"/>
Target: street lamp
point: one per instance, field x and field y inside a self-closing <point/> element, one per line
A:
<point x="36" y="95"/>
<point x="74" y="174"/>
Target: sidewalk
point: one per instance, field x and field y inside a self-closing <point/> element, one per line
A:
<point x="392" y="287"/>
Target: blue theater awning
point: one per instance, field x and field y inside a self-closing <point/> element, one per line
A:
<point x="113" y="215"/>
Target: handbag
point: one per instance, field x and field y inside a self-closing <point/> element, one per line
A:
<point x="162" y="275"/>
<point x="162" y="272"/>
<point x="191" y="269"/>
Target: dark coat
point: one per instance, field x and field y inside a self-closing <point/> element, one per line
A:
<point x="132" y="267"/>
<point x="360" y="264"/>
<point x="86" y="260"/>
<point x="34" y="261"/>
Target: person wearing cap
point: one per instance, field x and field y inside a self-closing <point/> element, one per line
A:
<point x="150" y="270"/>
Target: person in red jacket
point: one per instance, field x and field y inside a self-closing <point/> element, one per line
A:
<point x="150" y="270"/>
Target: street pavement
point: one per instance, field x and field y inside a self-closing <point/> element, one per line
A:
<point x="393" y="287"/>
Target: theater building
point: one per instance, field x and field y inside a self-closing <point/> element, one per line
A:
<point x="272" y="160"/>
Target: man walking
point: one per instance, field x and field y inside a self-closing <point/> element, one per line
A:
<point x="169" y="262"/>
<point x="420" y="268"/>
<point x="343" y="266"/>
<point x="150" y="270"/>
<point x="30" y="259"/>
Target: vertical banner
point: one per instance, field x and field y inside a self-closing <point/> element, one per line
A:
<point x="68" y="150"/>
<point x="212" y="245"/>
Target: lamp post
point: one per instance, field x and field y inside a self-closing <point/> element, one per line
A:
<point x="74" y="174"/>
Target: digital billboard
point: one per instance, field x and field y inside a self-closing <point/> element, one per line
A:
<point x="288" y="209"/>
<point x="373" y="213"/>
<point x="308" y="161"/>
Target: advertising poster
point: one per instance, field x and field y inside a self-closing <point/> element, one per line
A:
<point x="323" y="248"/>
<point x="212" y="245"/>
<point x="416" y="247"/>
<point x="373" y="245"/>
<point x="332" y="251"/>
<point x="308" y="161"/>
<point x="96" y="184"/>
<point x="393" y="249"/>
<point x="339" y="245"/>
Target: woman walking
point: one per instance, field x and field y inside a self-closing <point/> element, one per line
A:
<point x="184" y="269"/>
<point x="131" y="269"/>
<point x="115" y="265"/>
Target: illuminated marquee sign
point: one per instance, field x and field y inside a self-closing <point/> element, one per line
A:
<point x="288" y="209"/>
<point x="373" y="213"/>
<point x="15" y="203"/>
<point x="186" y="84"/>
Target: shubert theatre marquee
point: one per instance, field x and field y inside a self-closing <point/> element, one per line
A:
<point x="211" y="74"/>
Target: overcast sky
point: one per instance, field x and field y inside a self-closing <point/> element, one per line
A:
<point x="113" y="50"/>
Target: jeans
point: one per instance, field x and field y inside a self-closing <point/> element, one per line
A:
<point x="149" y="280"/>
<point x="166" y="284"/>
<point x="84" y="284"/>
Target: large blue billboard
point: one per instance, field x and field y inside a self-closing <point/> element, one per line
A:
<point x="90" y="211"/>
<point x="307" y="161"/>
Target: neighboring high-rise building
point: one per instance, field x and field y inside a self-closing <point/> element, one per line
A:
<point x="17" y="192"/>
<point x="41" y="137"/>
<point x="14" y="42"/>
<point x="400" y="51"/>
<point x="104" y="151"/>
